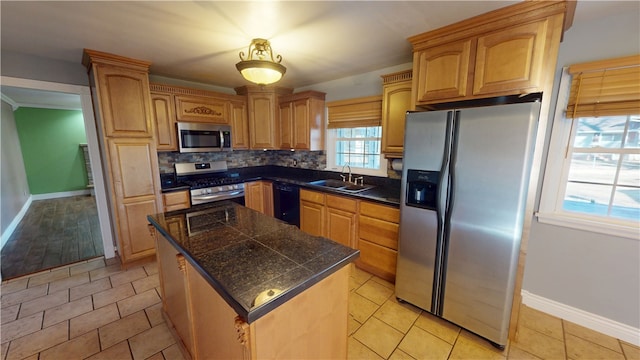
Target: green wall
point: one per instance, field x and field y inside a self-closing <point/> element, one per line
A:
<point x="49" y="140"/>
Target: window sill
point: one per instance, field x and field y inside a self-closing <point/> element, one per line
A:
<point x="586" y="224"/>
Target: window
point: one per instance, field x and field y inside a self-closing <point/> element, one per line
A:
<point x="592" y="177"/>
<point x="357" y="147"/>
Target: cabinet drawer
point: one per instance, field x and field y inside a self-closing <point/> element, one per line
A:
<point x="383" y="212"/>
<point x="312" y="196"/>
<point x="377" y="256"/>
<point x="378" y="231"/>
<point x="176" y="200"/>
<point x="342" y="203"/>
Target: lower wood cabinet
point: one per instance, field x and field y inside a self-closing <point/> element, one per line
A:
<point x="258" y="195"/>
<point x="312" y="212"/>
<point x="176" y="200"/>
<point x="341" y="219"/>
<point x="378" y="239"/>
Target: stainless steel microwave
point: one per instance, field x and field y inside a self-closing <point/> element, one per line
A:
<point x="201" y="137"/>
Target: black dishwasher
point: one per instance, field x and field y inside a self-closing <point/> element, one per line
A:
<point x="286" y="202"/>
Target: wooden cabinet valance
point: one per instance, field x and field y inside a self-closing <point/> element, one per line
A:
<point x="202" y="109"/>
<point x="358" y="112"/>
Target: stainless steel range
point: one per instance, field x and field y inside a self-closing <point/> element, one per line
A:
<point x="210" y="181"/>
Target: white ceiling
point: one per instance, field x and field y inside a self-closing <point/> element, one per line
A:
<point x="200" y="41"/>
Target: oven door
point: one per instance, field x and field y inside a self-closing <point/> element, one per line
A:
<point x="232" y="192"/>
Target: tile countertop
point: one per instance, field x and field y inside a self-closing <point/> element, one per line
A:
<point x="243" y="254"/>
<point x="385" y="190"/>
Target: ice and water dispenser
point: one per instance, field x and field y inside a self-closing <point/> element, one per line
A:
<point x="422" y="188"/>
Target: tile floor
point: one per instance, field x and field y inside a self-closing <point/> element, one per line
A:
<point x="96" y="310"/>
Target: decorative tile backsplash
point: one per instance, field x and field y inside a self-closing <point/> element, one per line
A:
<point x="315" y="160"/>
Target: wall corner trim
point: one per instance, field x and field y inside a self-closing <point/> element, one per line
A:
<point x="14" y="223"/>
<point x="591" y="321"/>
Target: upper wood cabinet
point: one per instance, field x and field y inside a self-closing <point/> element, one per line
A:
<point x="122" y="94"/>
<point x="301" y="121"/>
<point x="262" y="109"/>
<point x="396" y="101"/>
<point x="499" y="53"/>
<point x="163" y="111"/>
<point x="239" y="124"/>
<point x="201" y="109"/>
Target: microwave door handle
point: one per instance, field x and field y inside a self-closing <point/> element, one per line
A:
<point x="221" y="139"/>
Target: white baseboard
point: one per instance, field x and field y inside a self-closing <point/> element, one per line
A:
<point x="591" y="321"/>
<point x="14" y="223"/>
<point x="61" y="194"/>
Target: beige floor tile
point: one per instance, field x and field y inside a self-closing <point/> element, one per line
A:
<point x="357" y="351"/>
<point x="383" y="282"/>
<point x="173" y="352"/>
<point x="21" y="327"/>
<point x="361" y="308"/>
<point x="541" y="322"/>
<point x="4" y="347"/>
<point x="154" y="314"/>
<point x="631" y="352"/>
<point x="400" y="355"/>
<point x="422" y="345"/>
<point x="120" y="351"/>
<point x="9" y="313"/>
<point x="112" y="295"/>
<point x="91" y="288"/>
<point x="579" y="348"/>
<point x="156" y="356"/>
<point x="375" y="292"/>
<point x="353" y="283"/>
<point x="539" y="344"/>
<point x="93" y="320"/>
<point x="468" y="348"/>
<point x="88" y="266"/>
<point x="11" y="286"/>
<point x="24" y="295"/>
<point x="480" y="341"/>
<point x="400" y="316"/>
<point x="123" y="329"/>
<point x="127" y="276"/>
<point x="151" y="268"/>
<point x="151" y="341"/>
<point x="360" y="276"/>
<point x="105" y="272"/>
<point x="438" y="327"/>
<point x="48" y="277"/>
<point x="147" y="283"/>
<point x="44" y="302"/>
<point x="352" y="325"/>
<point x="592" y="336"/>
<point x="69" y="282"/>
<point x="379" y="337"/>
<point x="515" y="353"/>
<point x="38" y="341"/>
<point x="78" y="348"/>
<point x="67" y="311"/>
<point x="138" y="302"/>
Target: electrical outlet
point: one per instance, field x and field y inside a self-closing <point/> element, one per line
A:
<point x="295" y="162"/>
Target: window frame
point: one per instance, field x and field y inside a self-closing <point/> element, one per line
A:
<point x="556" y="176"/>
<point x="331" y="156"/>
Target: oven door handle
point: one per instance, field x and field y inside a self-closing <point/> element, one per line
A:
<point x="210" y="197"/>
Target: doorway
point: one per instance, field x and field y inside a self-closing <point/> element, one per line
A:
<point x="84" y="95"/>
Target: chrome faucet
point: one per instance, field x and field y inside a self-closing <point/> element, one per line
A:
<point x="342" y="176"/>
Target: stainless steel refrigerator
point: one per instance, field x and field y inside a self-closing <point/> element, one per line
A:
<point x="464" y="187"/>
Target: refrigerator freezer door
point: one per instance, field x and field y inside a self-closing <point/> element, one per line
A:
<point x="491" y="162"/>
<point x="424" y="149"/>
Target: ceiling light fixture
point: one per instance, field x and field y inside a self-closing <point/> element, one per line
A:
<point x="259" y="66"/>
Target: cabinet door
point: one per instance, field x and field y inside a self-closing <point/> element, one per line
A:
<point x="171" y="270"/>
<point x="262" y="129"/>
<point x="267" y="196"/>
<point x="511" y="61"/>
<point x="442" y="72"/>
<point x="123" y="95"/>
<point x="201" y="109"/>
<point x="162" y="107"/>
<point x="285" y="126"/>
<point x="341" y="226"/>
<point x="301" y="119"/>
<point x="396" y="101"/>
<point x="136" y="194"/>
<point x="378" y="227"/>
<point x="176" y="200"/>
<point x="239" y="125"/>
<point x="258" y="195"/>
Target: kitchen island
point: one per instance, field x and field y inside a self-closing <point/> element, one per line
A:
<point x="238" y="284"/>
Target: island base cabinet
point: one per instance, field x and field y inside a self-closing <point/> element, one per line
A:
<point x="311" y="325"/>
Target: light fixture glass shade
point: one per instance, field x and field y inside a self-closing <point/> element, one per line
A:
<point x="259" y="66"/>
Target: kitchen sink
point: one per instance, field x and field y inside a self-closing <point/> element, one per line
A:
<point x="341" y="185"/>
